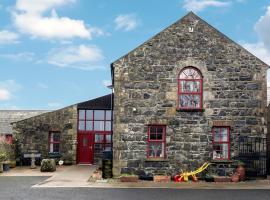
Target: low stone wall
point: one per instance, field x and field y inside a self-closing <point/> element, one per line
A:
<point x="32" y="133"/>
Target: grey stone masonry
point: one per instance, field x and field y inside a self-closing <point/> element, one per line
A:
<point x="33" y="133"/>
<point x="145" y="85"/>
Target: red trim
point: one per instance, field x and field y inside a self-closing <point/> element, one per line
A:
<point x="200" y="93"/>
<point x="222" y="142"/>
<point x="53" y="142"/>
<point x="162" y="141"/>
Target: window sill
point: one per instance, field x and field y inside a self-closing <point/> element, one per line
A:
<point x="157" y="160"/>
<point x="190" y="110"/>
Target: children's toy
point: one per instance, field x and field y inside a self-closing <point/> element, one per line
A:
<point x="183" y="177"/>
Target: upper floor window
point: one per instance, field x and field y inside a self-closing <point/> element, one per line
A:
<point x="190" y="89"/>
<point x="94" y="120"/>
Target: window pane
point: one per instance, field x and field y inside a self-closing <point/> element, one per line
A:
<point x="185" y="101"/>
<point x="159" y="136"/>
<point x="224" y="134"/>
<point x="197" y="101"/>
<point x="159" y="130"/>
<point x="85" y="142"/>
<point x="81" y="125"/>
<point x="99" y="125"/>
<point x="89" y="114"/>
<point x="153" y="129"/>
<point x="89" y="125"/>
<point x="108" y="138"/>
<point x="108" y="126"/>
<point x="153" y="136"/>
<point x="81" y="114"/>
<point x="99" y="115"/>
<point x="108" y="115"/>
<point x="108" y="147"/>
<point x="216" y="135"/>
<point x="220" y="151"/>
<point x="99" y="138"/>
<point x="56" y="137"/>
<point x="156" y="149"/>
<point x="98" y="148"/>
<point x="190" y="86"/>
<point x="56" y="147"/>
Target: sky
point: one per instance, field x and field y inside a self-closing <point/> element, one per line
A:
<point x="54" y="53"/>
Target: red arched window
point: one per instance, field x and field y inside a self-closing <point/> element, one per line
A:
<point x="190" y="89"/>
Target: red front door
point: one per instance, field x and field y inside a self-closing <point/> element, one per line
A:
<point x="85" y="148"/>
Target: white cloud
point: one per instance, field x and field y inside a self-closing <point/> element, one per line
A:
<point x="4" y="94"/>
<point x="7" y="89"/>
<point x="29" y="17"/>
<point x="126" y="22"/>
<point x="24" y="56"/>
<point x="262" y="27"/>
<point x="199" y="5"/>
<point x="7" y="37"/>
<point x="259" y="50"/>
<point x="80" y="57"/>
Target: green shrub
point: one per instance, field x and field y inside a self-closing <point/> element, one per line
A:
<point x="48" y="165"/>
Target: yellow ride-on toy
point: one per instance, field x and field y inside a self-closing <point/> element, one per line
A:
<point x="183" y="177"/>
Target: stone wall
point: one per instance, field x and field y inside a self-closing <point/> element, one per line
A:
<point x="145" y="84"/>
<point x="32" y="133"/>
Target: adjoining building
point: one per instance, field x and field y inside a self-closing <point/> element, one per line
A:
<point x="9" y="116"/>
<point x="78" y="133"/>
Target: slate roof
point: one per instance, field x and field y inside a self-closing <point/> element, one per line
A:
<point x="104" y="102"/>
<point x="9" y="116"/>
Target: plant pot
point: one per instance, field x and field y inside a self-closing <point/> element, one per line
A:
<point x="12" y="164"/>
<point x="5" y="167"/>
<point x="132" y="178"/>
<point x="241" y="171"/>
<point x="235" y="178"/>
<point x="161" y="178"/>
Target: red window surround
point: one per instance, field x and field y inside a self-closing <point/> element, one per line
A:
<point x="54" y="142"/>
<point x="156" y="141"/>
<point x="221" y="143"/>
<point x="190" y="89"/>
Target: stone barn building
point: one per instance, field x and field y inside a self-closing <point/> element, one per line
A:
<point x="185" y="97"/>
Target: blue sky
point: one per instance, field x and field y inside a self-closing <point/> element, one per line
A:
<point x="54" y="53"/>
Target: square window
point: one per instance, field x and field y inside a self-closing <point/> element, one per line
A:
<point x="99" y="115"/>
<point x="81" y="114"/>
<point x="99" y="126"/>
<point x="108" y="115"/>
<point x="89" y="125"/>
<point x="99" y="138"/>
<point x="89" y="114"/>
<point x="82" y="125"/>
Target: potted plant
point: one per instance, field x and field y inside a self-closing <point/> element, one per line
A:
<point x="3" y="158"/>
<point x="241" y="171"/>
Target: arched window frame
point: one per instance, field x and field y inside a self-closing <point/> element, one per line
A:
<point x="186" y="76"/>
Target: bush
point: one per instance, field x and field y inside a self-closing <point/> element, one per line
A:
<point x="48" y="165"/>
<point x="3" y="156"/>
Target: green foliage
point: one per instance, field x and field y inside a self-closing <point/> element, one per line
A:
<point x="3" y="156"/>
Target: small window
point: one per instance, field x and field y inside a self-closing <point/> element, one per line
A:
<point x="156" y="141"/>
<point x="221" y="143"/>
<point x="54" y="142"/>
<point x="190" y="89"/>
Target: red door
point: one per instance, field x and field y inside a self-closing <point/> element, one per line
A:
<point x="85" y="148"/>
